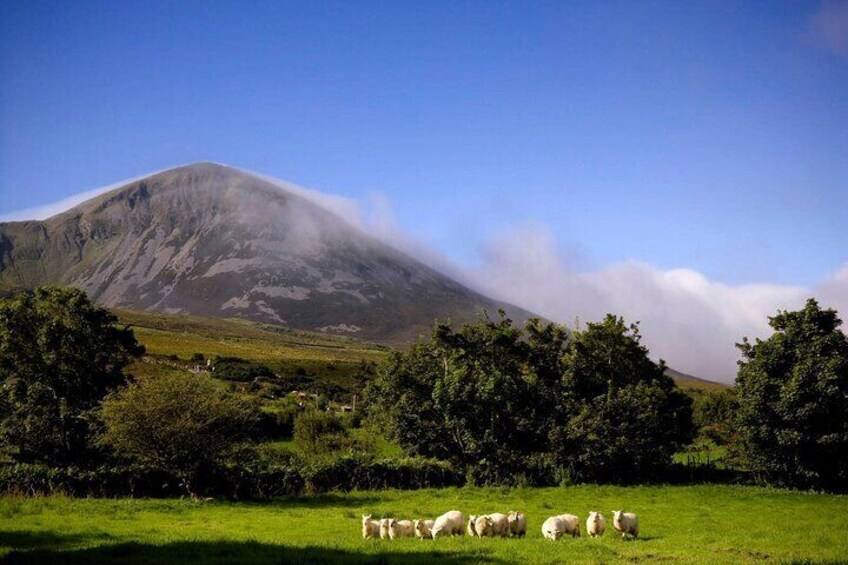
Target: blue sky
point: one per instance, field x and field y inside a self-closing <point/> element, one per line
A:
<point x="711" y="136"/>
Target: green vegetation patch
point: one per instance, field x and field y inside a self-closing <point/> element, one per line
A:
<point x="691" y="524"/>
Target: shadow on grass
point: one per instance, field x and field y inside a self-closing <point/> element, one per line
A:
<point x="34" y="540"/>
<point x="237" y="552"/>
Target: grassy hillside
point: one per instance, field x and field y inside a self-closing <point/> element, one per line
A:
<point x="688" y="382"/>
<point x="692" y="524"/>
<point x="172" y="340"/>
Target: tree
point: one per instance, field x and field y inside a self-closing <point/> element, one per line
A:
<point x="177" y="424"/>
<point x="625" y="417"/>
<point x="465" y="396"/>
<point x="714" y="413"/>
<point x="498" y="400"/>
<point x="59" y="356"/>
<point x="793" y="392"/>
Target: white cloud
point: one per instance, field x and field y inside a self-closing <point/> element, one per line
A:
<point x="686" y="319"/>
<point x="47" y="210"/>
<point x="829" y="26"/>
<point x="833" y="293"/>
<point x="346" y="208"/>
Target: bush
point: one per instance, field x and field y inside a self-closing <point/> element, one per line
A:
<point x="243" y="477"/>
<point x="278" y="424"/>
<point x="364" y="473"/>
<point x="321" y="433"/>
<point x="105" y="480"/>
<point x="178" y="425"/>
<point x="713" y="414"/>
<point x="240" y="370"/>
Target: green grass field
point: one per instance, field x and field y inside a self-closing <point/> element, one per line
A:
<point x="332" y="359"/>
<point x="164" y="334"/>
<point x="688" y="524"/>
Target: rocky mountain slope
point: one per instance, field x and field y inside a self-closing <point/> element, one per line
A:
<point x="212" y="240"/>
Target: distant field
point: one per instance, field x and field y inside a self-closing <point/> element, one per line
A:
<point x="333" y="358"/>
<point x="690" y="524"/>
<point x="164" y="334"/>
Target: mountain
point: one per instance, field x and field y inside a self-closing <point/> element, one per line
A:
<point x="212" y="240"/>
<point x="689" y="382"/>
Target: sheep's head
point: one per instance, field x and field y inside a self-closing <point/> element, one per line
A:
<point x="595" y="517"/>
<point x="616" y="515"/>
<point x="366" y="518"/>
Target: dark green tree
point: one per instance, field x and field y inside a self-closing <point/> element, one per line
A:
<point x="625" y="417"/>
<point x="793" y="401"/>
<point x="498" y="401"/>
<point x="59" y="356"/>
<point x="177" y="424"/>
<point x="466" y="396"/>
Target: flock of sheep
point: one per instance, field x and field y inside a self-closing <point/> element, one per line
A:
<point x="513" y="524"/>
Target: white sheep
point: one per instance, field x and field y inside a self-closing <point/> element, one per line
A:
<point x="384" y="528"/>
<point x="517" y="524"/>
<point x="423" y="528"/>
<point x="596" y="525"/>
<point x="626" y="523"/>
<point x="491" y="525"/>
<point x="400" y="529"/>
<point x="557" y="526"/>
<point x="472" y="531"/>
<point x="370" y="528"/>
<point x="449" y="524"/>
<point x="500" y="524"/>
<point x="484" y="526"/>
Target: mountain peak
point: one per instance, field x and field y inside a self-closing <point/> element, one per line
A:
<point x="215" y="240"/>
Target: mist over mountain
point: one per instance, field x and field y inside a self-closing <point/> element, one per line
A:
<point x="212" y="240"/>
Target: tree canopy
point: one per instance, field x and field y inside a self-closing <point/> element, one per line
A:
<point x="793" y="401"/>
<point x="59" y="356"/>
<point x="508" y="403"/>
<point x="177" y="424"/>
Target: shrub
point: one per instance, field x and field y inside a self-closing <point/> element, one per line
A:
<point x="320" y="433"/>
<point x="364" y="473"/>
<point x="240" y="370"/>
<point x="279" y="423"/>
<point x="177" y="425"/>
<point x="246" y="476"/>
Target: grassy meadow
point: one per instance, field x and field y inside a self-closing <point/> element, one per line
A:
<point x="171" y="341"/>
<point x="685" y="524"/>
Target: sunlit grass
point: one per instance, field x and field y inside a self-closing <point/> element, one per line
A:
<point x="689" y="524"/>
